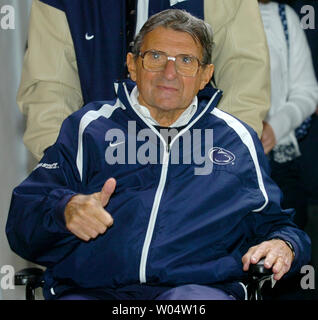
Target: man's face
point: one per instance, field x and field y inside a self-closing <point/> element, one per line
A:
<point x="167" y="90"/>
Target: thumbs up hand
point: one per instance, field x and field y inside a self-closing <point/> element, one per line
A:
<point x="85" y="215"/>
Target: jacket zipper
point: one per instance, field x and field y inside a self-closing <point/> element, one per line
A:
<point x="153" y="215"/>
<point x="162" y="182"/>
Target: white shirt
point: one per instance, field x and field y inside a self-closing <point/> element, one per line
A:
<point x="183" y="120"/>
<point x="293" y="82"/>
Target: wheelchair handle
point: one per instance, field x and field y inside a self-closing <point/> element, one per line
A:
<point x="258" y="270"/>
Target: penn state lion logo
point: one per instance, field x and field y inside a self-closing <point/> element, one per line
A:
<point x="221" y="156"/>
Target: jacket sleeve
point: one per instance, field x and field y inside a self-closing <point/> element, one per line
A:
<point x="50" y="88"/>
<point x="274" y="222"/>
<point x="302" y="84"/>
<point x="36" y="227"/>
<point x="241" y="59"/>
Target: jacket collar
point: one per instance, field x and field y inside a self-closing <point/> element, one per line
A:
<point x="208" y="98"/>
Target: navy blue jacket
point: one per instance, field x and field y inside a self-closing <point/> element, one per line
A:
<point x="171" y="226"/>
<point x="102" y="59"/>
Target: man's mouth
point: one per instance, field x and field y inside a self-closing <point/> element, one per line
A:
<point x="167" y="88"/>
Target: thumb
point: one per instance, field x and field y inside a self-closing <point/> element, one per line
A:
<point x="107" y="190"/>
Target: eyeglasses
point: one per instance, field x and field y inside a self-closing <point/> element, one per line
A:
<point x="155" y="61"/>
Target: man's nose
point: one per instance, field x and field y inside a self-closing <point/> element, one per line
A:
<point x="170" y="71"/>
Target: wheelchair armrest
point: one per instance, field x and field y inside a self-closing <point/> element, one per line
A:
<point x="257" y="276"/>
<point x="32" y="278"/>
<point x="29" y="276"/>
<point x="259" y="271"/>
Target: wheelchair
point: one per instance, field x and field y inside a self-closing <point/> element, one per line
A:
<point x="258" y="276"/>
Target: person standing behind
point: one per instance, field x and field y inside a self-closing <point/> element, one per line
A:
<point x="77" y="48"/>
<point x="294" y="98"/>
<point x="308" y="143"/>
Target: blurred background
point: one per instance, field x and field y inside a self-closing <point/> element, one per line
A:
<point x="13" y="154"/>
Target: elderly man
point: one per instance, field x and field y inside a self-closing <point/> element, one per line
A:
<point x="109" y="224"/>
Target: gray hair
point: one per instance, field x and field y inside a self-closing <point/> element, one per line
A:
<point x="178" y="20"/>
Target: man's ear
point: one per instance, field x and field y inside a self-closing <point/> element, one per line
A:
<point x="132" y="66"/>
<point x="206" y="75"/>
